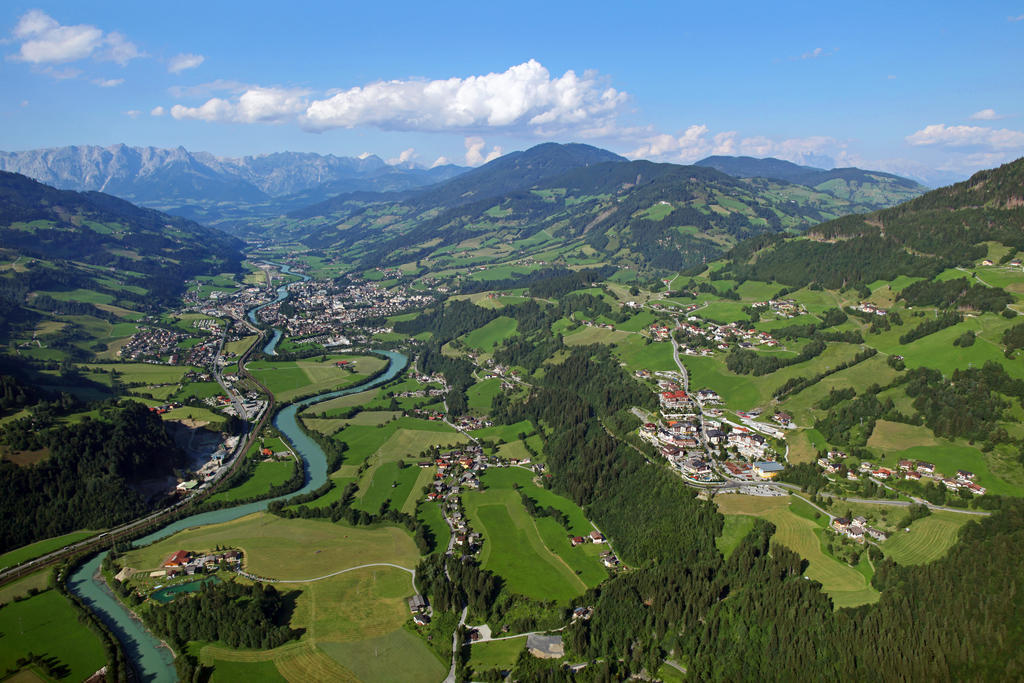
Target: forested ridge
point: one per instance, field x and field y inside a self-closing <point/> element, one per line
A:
<point x="602" y="201"/>
<point x="86" y="481"/>
<point x="155" y="250"/>
<point x="919" y="238"/>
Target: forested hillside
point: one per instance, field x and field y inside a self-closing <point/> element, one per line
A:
<point x="569" y="200"/>
<point x="873" y="189"/>
<point x="946" y="227"/>
<point x="87" y="480"/>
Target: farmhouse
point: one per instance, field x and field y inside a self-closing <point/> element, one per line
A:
<point x="417" y="603"/>
<point x="177" y="559"/>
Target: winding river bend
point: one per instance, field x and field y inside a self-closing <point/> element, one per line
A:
<point x="153" y="660"/>
<point x="282" y="294"/>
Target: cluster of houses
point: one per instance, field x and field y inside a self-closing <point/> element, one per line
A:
<point x="784" y="308"/>
<point x="702" y="333"/>
<point x="457" y="469"/>
<point x="188" y="563"/>
<point x="685" y="438"/>
<point x="203" y="355"/>
<point x="866" y="307"/>
<point x="857" y="529"/>
<point x="470" y="422"/>
<point x="151" y="342"/>
<point x="909" y="470"/>
<point x="917" y="470"/>
<point x="608" y="559"/>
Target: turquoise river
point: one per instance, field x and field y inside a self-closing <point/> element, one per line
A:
<point x="153" y="660"/>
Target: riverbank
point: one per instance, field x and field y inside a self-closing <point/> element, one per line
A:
<point x="141" y="647"/>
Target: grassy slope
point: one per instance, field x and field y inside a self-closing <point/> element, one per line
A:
<point x="292" y="549"/>
<point x="845" y="585"/>
<point x="533" y="555"/>
<point x="928" y="539"/>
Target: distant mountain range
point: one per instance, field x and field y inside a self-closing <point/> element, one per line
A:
<point x="213" y="189"/>
<point x="590" y="203"/>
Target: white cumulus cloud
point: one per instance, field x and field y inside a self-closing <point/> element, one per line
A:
<point x="119" y="49"/>
<point x="986" y="115"/>
<point x="405" y="158"/>
<point x="697" y="142"/>
<point x="475" y="155"/>
<point x="184" y="61"/>
<point x="524" y="98"/>
<point x="440" y="161"/>
<point x="108" y="82"/>
<point x="967" y="136"/>
<point x="44" y="40"/>
<point x="256" y="105"/>
<point x="156" y="111"/>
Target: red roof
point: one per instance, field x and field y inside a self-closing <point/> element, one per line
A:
<point x="177" y="559"/>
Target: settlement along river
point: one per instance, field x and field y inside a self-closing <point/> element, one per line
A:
<point x="153" y="660"/>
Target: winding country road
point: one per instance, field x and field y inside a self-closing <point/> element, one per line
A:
<point x="327" y="576"/>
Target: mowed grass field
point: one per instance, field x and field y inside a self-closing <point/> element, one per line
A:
<point x="291" y="549"/>
<point x="485" y="338"/>
<point x="844" y="584"/>
<point x="929" y="539"/>
<point x="46" y="625"/>
<point x="480" y="395"/>
<point x="874" y="370"/>
<point x="267" y="475"/>
<point x="353" y="631"/>
<point x="733" y="531"/>
<point x="496" y="654"/>
<point x="534" y="556"/>
<point x="20" y="588"/>
<point x="291" y="379"/>
<point x="333" y="425"/>
<point x="142" y="372"/>
<point x="594" y="335"/>
<point x="29" y="552"/>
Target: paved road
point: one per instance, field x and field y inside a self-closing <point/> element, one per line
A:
<point x="907" y="503"/>
<point x="450" y="678"/>
<point x="235" y="399"/>
<point x="682" y="368"/>
<point x="327" y="576"/>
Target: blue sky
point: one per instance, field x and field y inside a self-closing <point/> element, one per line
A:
<point x="911" y="87"/>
